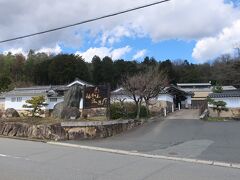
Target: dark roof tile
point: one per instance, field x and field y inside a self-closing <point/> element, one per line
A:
<point x="231" y="93"/>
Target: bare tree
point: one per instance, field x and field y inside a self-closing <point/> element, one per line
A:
<point x="155" y="82"/>
<point x="135" y="87"/>
<point x="144" y="86"/>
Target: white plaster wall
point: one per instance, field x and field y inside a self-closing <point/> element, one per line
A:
<point x="232" y="102"/>
<point x="162" y="97"/>
<point x="187" y="103"/>
<point x="81" y="104"/>
<point x="19" y="105"/>
<point x="189" y="100"/>
<point x="52" y="104"/>
<point x="16" y="105"/>
<point x="165" y="97"/>
<point x="117" y="98"/>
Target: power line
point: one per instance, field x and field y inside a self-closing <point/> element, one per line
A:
<point x="83" y="22"/>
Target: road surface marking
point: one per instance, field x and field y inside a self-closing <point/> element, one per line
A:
<point x="131" y="153"/>
<point x="13" y="157"/>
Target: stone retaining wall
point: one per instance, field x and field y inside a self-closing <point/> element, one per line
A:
<point x="68" y="130"/>
<point x="24" y="130"/>
<point x="231" y="113"/>
<point x="97" y="129"/>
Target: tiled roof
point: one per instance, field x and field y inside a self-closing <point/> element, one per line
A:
<point x="166" y="90"/>
<point x="197" y="89"/>
<point x="206" y="89"/>
<point x="230" y="93"/>
<point x="42" y="90"/>
<point x="175" y="89"/>
<point x="81" y="82"/>
<point x="38" y="90"/>
<point x="120" y="92"/>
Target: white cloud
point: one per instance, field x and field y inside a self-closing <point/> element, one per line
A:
<point x="91" y="52"/>
<point x="104" y="51"/>
<point x="120" y="52"/>
<point x="201" y="20"/>
<point x="115" y="35"/>
<point x="177" y="19"/>
<point x="15" y="51"/>
<point x="222" y="43"/>
<point x="140" y="54"/>
<point x="185" y="20"/>
<point x="56" y="50"/>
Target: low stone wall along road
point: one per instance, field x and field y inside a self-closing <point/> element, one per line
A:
<point x="181" y="134"/>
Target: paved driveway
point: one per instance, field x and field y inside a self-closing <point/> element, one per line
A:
<point x="184" y="114"/>
<point x="181" y="135"/>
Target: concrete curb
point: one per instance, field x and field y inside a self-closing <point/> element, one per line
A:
<point x="95" y="123"/>
<point x="131" y="153"/>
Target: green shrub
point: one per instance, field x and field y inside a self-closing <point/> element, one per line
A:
<point x="144" y="112"/>
<point x="116" y="111"/>
<point x="126" y="111"/>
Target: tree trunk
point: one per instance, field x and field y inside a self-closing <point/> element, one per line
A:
<point x="147" y="107"/>
<point x="139" y="109"/>
<point x="218" y="113"/>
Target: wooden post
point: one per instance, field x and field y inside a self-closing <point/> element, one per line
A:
<point x="108" y="101"/>
<point x="83" y="100"/>
<point x="165" y="112"/>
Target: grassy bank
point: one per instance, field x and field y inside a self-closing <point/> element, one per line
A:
<point x="221" y="119"/>
<point x="215" y="119"/>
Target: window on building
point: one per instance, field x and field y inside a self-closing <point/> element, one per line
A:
<point x="19" y="99"/>
<point x="53" y="99"/>
<point x="13" y="99"/>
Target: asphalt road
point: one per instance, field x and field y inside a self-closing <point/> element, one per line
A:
<point x="180" y="135"/>
<point x="25" y="160"/>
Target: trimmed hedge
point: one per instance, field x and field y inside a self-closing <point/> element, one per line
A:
<point x="126" y="111"/>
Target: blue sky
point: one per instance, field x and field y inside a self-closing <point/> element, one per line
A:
<point x="198" y="31"/>
<point x="167" y="49"/>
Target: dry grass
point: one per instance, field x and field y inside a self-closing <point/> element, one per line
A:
<point x="47" y="120"/>
<point x="97" y="118"/>
<point x="32" y="120"/>
<point x="216" y="119"/>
